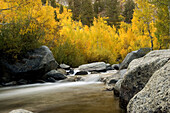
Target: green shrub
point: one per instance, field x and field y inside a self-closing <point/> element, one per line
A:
<point x="69" y="54"/>
<point x="13" y="43"/>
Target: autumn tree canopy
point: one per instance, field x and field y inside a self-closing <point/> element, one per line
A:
<point x="75" y="36"/>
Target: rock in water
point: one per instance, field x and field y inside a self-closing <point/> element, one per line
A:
<point x="116" y="87"/>
<point x="63" y="71"/>
<point x="115" y="66"/>
<point x="108" y="67"/>
<point x="97" y="66"/>
<point x="154" y="97"/>
<point x="82" y="73"/>
<point x="20" y="111"/>
<point x="33" y="66"/>
<point x="139" y="72"/>
<point x="111" y="81"/>
<point x="133" y="55"/>
<point x="55" y="74"/>
<point x="64" y="66"/>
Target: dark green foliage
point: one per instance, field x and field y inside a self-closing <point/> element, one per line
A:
<point x="162" y="22"/>
<point x="50" y="2"/>
<point x="99" y="6"/>
<point x="70" y="4"/>
<point x="113" y="12"/>
<point x="43" y="2"/>
<point x="82" y="9"/>
<point x="128" y="12"/>
<point x="61" y="9"/>
<point x="87" y="12"/>
<point x="76" y="9"/>
<point x="53" y="3"/>
<point x="13" y="44"/>
<point x="96" y="8"/>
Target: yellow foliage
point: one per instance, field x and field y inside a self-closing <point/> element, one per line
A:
<point x="99" y="42"/>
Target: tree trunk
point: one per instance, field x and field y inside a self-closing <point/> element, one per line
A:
<point x="150" y="37"/>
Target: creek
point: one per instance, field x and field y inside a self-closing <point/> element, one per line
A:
<point x="88" y="96"/>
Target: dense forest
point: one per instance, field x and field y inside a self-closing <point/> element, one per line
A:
<point x="83" y="31"/>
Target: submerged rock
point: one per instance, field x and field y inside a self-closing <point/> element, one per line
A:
<point x="33" y="66"/>
<point x="97" y="66"/>
<point x="20" y="111"/>
<point x="154" y="97"/>
<point x="139" y="72"/>
<point x="73" y="79"/>
<point x="133" y="55"/>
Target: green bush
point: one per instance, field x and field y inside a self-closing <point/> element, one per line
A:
<point x="13" y="43"/>
<point x="69" y="54"/>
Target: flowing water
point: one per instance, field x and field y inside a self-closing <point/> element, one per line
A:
<point x="88" y="96"/>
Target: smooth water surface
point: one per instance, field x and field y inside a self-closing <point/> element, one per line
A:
<point x="73" y="97"/>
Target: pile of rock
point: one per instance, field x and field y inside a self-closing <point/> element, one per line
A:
<point x="142" y="81"/>
<point x="122" y="69"/>
<point x="38" y="65"/>
<point x="145" y="84"/>
<point x="154" y="97"/>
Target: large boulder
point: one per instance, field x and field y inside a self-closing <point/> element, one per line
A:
<point x="97" y="66"/>
<point x="35" y="64"/>
<point x="133" y="55"/>
<point x="154" y="97"/>
<point x="139" y="72"/>
<point x="20" y="111"/>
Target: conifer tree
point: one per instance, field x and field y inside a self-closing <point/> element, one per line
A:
<point x="87" y="12"/>
<point x="96" y="8"/>
<point x="128" y="12"/>
<point x="112" y="11"/>
<point x="76" y="9"/>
